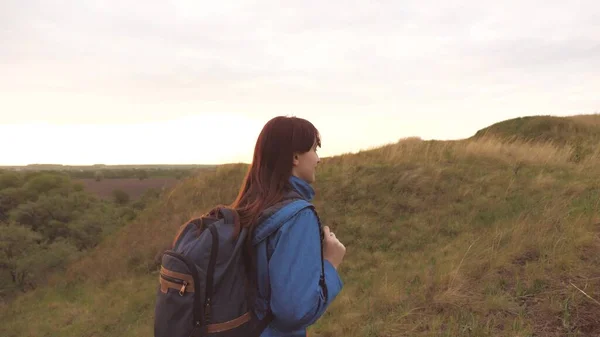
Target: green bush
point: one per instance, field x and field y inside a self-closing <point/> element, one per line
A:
<point x="47" y="182"/>
<point x="46" y="220"/>
<point x="120" y="197"/>
<point x="10" y="179"/>
<point x="32" y="268"/>
<point x="16" y="244"/>
<point x="10" y="198"/>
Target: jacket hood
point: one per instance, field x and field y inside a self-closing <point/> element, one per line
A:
<point x="287" y="211"/>
<point x="302" y="187"/>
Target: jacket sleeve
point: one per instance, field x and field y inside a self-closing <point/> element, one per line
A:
<point x="297" y="299"/>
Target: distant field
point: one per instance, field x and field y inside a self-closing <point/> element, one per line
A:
<point x="132" y="186"/>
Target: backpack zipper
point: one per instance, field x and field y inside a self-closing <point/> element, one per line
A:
<point x="183" y="283"/>
<point x="214" y="251"/>
<point x="198" y="309"/>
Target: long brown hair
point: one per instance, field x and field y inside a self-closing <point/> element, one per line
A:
<point x="267" y="179"/>
<point x="268" y="176"/>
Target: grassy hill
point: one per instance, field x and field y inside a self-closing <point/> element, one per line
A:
<point x="478" y="237"/>
<point x="580" y="132"/>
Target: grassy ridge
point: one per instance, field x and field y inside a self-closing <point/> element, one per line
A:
<point x="582" y="132"/>
<point x="465" y="238"/>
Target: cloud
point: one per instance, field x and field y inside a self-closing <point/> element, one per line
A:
<point x="384" y="56"/>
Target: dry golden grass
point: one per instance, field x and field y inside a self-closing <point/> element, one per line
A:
<point x="517" y="151"/>
<point x="592" y="119"/>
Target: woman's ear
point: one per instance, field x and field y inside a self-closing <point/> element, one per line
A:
<point x="295" y="160"/>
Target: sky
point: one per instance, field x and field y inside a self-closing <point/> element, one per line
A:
<point x="193" y="82"/>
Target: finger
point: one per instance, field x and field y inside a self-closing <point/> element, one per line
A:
<point x="326" y="231"/>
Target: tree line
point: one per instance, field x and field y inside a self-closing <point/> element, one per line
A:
<point x="48" y="220"/>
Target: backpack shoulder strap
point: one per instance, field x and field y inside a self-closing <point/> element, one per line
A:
<point x="269" y="316"/>
<point x="322" y="235"/>
<point x="269" y="221"/>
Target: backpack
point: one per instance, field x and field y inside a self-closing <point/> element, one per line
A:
<point x="204" y="289"/>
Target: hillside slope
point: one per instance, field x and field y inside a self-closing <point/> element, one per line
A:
<point x="581" y="132"/>
<point x="465" y="238"/>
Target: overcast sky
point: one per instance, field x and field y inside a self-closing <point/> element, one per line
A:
<point x="152" y="81"/>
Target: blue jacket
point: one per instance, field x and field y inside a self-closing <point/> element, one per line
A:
<point x="293" y="269"/>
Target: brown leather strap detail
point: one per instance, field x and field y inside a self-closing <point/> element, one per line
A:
<point x="186" y="277"/>
<point x="234" y="323"/>
<point x="165" y="284"/>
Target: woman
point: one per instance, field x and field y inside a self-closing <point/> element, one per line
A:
<point x="296" y="279"/>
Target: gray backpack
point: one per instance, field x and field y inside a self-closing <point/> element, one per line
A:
<point x="204" y="289"/>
